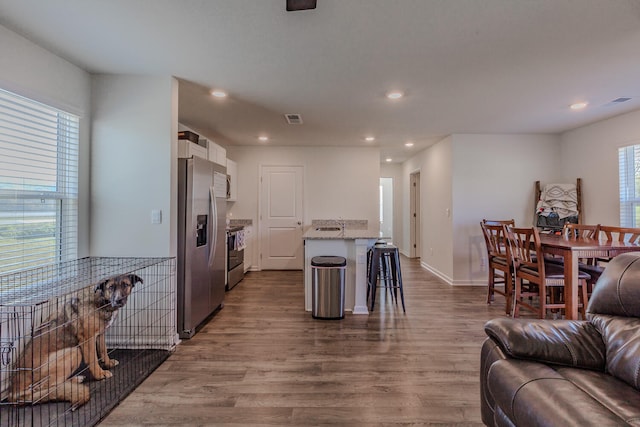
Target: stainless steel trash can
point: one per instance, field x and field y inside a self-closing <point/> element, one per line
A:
<point x="327" y="300"/>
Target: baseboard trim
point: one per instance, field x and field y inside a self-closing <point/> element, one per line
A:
<point x="449" y="281"/>
<point x="437" y="273"/>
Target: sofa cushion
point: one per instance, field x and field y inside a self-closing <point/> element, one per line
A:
<point x="621" y="336"/>
<point x="612" y="393"/>
<point x="531" y="393"/>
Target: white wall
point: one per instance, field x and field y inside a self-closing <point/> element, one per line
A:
<point x="494" y="177"/>
<point x="465" y="178"/>
<point x="591" y="153"/>
<point x="338" y="182"/>
<point x="133" y="138"/>
<point x="35" y="73"/>
<point x="435" y="167"/>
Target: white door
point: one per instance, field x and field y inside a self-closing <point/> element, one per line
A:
<point x="281" y="246"/>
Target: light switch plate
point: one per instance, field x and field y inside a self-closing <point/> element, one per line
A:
<point x="156" y="216"/>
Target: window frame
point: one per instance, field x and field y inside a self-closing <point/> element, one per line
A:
<point x="63" y="138"/>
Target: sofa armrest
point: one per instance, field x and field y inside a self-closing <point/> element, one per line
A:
<point x="489" y="354"/>
<point x="561" y="342"/>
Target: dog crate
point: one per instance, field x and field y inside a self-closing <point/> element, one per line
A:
<point x="140" y="337"/>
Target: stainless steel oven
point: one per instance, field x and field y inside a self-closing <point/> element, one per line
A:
<point x="235" y="256"/>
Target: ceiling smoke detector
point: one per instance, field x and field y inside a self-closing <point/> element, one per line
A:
<point x="293" y="5"/>
<point x="293" y="119"/>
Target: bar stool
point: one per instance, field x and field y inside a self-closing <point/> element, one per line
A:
<point x="384" y="267"/>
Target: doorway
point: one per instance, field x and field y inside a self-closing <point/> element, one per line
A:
<point x="414" y="213"/>
<point x="386" y="208"/>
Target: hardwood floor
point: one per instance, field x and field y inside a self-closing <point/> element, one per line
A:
<point x="263" y="360"/>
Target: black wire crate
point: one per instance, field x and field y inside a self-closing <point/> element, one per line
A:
<point x="77" y="337"/>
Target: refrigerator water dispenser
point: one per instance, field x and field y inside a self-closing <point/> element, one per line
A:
<point x="201" y="230"/>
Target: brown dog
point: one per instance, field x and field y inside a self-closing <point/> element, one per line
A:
<point x="75" y="333"/>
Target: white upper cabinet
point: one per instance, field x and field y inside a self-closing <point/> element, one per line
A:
<point x="217" y="154"/>
<point x="188" y="149"/>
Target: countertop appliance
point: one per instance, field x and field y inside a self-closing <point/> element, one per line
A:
<point x="202" y="191"/>
<point x="235" y="256"/>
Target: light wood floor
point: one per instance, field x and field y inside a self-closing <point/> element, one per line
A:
<point x="263" y="360"/>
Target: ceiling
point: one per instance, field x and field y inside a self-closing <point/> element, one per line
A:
<point x="465" y="66"/>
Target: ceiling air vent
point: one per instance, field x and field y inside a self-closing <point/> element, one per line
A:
<point x="293" y="5"/>
<point x="293" y="119"/>
<point x="617" y="101"/>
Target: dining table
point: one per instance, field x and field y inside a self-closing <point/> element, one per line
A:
<point x="572" y="250"/>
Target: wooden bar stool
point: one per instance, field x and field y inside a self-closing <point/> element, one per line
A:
<point x="384" y="271"/>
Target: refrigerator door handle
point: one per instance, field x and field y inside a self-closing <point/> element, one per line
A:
<point x="214" y="225"/>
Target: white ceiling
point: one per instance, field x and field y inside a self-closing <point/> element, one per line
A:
<point x="466" y="66"/>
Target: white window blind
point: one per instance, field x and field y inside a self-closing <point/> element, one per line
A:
<point x="629" y="168"/>
<point x="38" y="183"/>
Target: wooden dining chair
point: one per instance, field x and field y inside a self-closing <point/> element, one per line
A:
<point x="536" y="278"/>
<point x="511" y="222"/>
<point x="581" y="231"/>
<point x="620" y="234"/>
<point x="498" y="261"/>
<point x="611" y="233"/>
<point x="576" y="231"/>
<point x="588" y="265"/>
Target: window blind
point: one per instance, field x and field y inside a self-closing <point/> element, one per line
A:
<point x="38" y="183"/>
<point x="629" y="169"/>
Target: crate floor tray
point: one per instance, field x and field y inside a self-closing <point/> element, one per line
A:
<point x="134" y="367"/>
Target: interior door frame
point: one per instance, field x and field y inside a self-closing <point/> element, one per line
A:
<point x="414" y="215"/>
<point x="261" y="225"/>
<point x="388" y="207"/>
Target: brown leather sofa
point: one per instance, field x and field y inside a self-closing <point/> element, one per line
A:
<point x="569" y="372"/>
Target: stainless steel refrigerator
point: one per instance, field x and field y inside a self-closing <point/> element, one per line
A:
<point x="202" y="190"/>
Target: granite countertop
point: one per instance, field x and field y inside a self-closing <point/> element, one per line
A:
<point x="312" y="234"/>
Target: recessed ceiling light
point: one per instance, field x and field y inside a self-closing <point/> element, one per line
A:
<point x="578" y="105"/>
<point x="370" y="138"/>
<point x="263" y="138"/>
<point x="408" y="144"/>
<point x="219" y="93"/>
<point x="396" y="94"/>
<point x="389" y="159"/>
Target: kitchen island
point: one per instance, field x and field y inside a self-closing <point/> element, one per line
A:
<point x="352" y="244"/>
